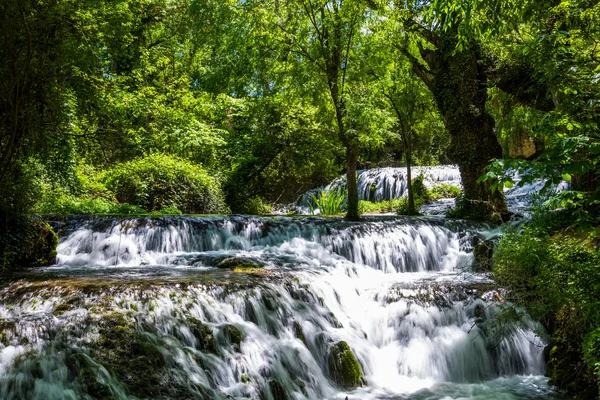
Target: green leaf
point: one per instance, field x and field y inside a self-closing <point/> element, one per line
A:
<point x="566" y="177"/>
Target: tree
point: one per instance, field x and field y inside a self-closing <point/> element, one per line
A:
<point x="323" y="38"/>
<point x="551" y="71"/>
<point x="440" y="41"/>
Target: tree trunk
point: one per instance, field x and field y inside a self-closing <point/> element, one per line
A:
<point x="459" y="87"/>
<point x="352" y="157"/>
<point x="411" y="198"/>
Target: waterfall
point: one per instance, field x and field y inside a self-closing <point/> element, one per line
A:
<point x="381" y="184"/>
<point x="259" y="308"/>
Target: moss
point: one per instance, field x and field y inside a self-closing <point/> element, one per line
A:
<point x="233" y="334"/>
<point x="61" y="309"/>
<point x="28" y="242"/>
<point x="298" y="332"/>
<point x="277" y="390"/>
<point x="344" y="368"/>
<point x="245" y="378"/>
<point x="566" y="365"/>
<point x="204" y="334"/>
<point x="237" y="262"/>
<point x="249" y="270"/>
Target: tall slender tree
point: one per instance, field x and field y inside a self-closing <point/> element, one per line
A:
<point x="322" y="34"/>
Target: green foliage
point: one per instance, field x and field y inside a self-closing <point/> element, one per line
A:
<point x="26" y="242"/>
<point x="279" y="147"/>
<point x="369" y="207"/>
<point x="444" y="191"/>
<point x="256" y="206"/>
<point x="421" y="194"/>
<point x="403" y="209"/>
<point x="328" y="202"/>
<point x="473" y="209"/>
<point x="67" y="204"/>
<point x="420" y="191"/>
<point x="557" y="278"/>
<point x="158" y="181"/>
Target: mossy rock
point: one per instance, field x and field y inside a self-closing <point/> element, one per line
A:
<point x="233" y="334"/>
<point x="238" y="263"/>
<point x="277" y="390"/>
<point x="61" y="309"/>
<point x="344" y="368"/>
<point x="204" y="334"/>
<point x="299" y="332"/>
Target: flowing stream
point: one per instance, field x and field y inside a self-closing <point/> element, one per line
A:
<point x="259" y="308"/>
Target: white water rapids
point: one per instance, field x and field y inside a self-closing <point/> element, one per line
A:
<point x="398" y="291"/>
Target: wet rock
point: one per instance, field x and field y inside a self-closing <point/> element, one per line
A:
<point x="233" y="334"/>
<point x="277" y="390"/>
<point x="343" y="366"/>
<point x="136" y="357"/>
<point x="61" y="309"/>
<point x="298" y="332"/>
<point x="238" y="262"/>
<point x="204" y="334"/>
<point x="332" y="319"/>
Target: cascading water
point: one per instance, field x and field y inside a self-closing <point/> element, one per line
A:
<point x="264" y="308"/>
<point x="381" y="184"/>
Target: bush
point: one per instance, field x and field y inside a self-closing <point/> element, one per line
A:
<point x="59" y="202"/>
<point x="26" y="242"/>
<point x="556" y="276"/>
<point x="472" y="209"/>
<point x="159" y="181"/>
<point x="420" y="191"/>
<point x="255" y="206"/>
<point x="444" y="191"/>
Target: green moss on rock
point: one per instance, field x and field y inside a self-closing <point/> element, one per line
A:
<point x="344" y="368"/>
<point x="233" y="334"/>
<point x="299" y="332"/>
<point x="237" y="262"/>
<point x="203" y="334"/>
<point x="277" y="390"/>
<point x="61" y="309"/>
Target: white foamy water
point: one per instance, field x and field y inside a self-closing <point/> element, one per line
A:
<point x="399" y="292"/>
<point x="381" y="184"/>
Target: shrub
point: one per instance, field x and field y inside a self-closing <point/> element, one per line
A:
<point x="556" y="276"/>
<point x="444" y="191"/>
<point x="59" y="202"/>
<point x="159" y="181"/>
<point x="255" y="206"/>
<point x="420" y="191"/>
<point x="366" y="207"/>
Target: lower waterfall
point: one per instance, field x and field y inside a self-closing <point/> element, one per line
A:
<point x="265" y="308"/>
